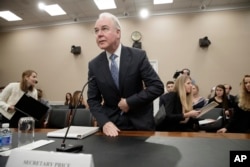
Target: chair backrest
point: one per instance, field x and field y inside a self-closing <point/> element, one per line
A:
<point x="160" y="115"/>
<point x="82" y="117"/>
<point x="216" y="114"/>
<point x="59" y="106"/>
<point x="58" y="118"/>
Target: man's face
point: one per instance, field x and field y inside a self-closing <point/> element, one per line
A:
<point x="227" y="89"/>
<point x="170" y="87"/>
<point x="107" y="35"/>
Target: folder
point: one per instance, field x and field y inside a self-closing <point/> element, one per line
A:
<point x="28" y="106"/>
<point x="75" y="132"/>
<point x="207" y="108"/>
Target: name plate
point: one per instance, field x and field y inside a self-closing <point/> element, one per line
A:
<point x="34" y="158"/>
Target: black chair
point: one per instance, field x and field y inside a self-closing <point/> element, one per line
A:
<point x="59" y="106"/>
<point x="58" y="118"/>
<point x="216" y="114"/>
<point x="82" y="117"/>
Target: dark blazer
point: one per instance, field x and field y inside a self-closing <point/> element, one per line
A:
<point x="134" y="68"/>
<point x="240" y="122"/>
<point x="174" y="115"/>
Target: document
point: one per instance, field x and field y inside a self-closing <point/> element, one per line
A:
<point x="208" y="121"/>
<point x="30" y="146"/>
<point x="76" y="132"/>
<point x="207" y="108"/>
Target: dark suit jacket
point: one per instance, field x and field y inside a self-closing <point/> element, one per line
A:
<point x="134" y="68"/>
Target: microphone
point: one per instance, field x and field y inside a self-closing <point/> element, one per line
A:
<point x="72" y="148"/>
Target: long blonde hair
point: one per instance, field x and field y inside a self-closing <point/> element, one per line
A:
<point x="244" y="96"/>
<point x="186" y="98"/>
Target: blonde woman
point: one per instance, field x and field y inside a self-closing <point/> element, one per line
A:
<point x="198" y="101"/>
<point x="179" y="107"/>
<point x="13" y="92"/>
<point x="240" y="121"/>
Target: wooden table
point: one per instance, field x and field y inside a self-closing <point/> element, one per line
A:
<point x="171" y="134"/>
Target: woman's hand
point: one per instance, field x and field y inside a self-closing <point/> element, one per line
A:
<point x="11" y="109"/>
<point x="192" y="113"/>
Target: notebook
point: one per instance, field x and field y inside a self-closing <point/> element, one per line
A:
<point x="28" y="106"/>
<point x="75" y="132"/>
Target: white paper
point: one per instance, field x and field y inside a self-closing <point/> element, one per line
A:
<point x="30" y="146"/>
<point x="206" y="121"/>
<point x="35" y="158"/>
<point x="77" y="132"/>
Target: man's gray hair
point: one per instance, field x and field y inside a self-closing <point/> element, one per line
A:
<point x="113" y="18"/>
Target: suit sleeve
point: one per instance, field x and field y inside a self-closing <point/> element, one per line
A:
<point x="153" y="85"/>
<point x="95" y="99"/>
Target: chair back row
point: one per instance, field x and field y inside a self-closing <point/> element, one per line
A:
<point x="61" y="117"/>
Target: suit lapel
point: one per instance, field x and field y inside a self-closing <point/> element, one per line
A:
<point x="104" y="68"/>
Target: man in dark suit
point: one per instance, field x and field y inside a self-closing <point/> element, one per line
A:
<point x="230" y="97"/>
<point x="127" y="105"/>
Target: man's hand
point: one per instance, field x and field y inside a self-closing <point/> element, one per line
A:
<point x="123" y="105"/>
<point x="222" y="130"/>
<point x="110" y="129"/>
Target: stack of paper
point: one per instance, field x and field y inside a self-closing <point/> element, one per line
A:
<point x="77" y="132"/>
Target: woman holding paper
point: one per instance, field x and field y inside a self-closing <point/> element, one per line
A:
<point x="240" y="121"/>
<point x="13" y="92"/>
<point x="179" y="107"/>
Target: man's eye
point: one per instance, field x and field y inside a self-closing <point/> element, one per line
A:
<point x="96" y="31"/>
<point x="105" y="29"/>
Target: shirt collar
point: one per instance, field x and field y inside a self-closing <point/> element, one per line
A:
<point x="117" y="52"/>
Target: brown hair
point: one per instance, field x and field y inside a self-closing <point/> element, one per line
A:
<point x="224" y="96"/>
<point x="68" y="101"/>
<point x="75" y="99"/>
<point x="23" y="84"/>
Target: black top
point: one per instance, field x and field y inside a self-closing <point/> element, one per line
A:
<point x="174" y="115"/>
<point x="79" y="106"/>
<point x="199" y="104"/>
<point x="240" y="122"/>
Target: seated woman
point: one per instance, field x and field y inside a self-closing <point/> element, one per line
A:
<point x="240" y="122"/>
<point x="68" y="99"/>
<point x="78" y="101"/>
<point x="178" y="106"/>
<point x="198" y="101"/>
<point x="220" y="97"/>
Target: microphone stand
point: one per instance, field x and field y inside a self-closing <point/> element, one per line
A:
<point x="72" y="148"/>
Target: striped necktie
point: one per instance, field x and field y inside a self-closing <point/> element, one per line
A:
<point x="114" y="70"/>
